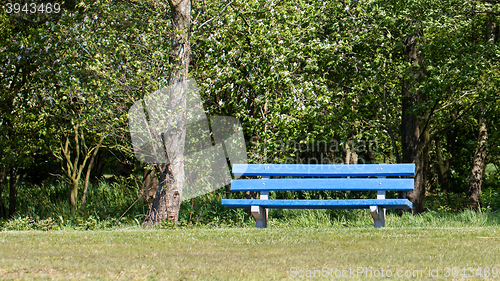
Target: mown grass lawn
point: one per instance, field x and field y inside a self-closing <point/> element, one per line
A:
<point x="251" y="254"/>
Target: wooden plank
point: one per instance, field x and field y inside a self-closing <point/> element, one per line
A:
<point x="339" y="184"/>
<point x="325" y="170"/>
<point x="319" y="204"/>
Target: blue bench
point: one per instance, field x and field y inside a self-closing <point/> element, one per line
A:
<point x="366" y="177"/>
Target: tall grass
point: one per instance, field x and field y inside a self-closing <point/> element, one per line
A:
<point x="46" y="207"/>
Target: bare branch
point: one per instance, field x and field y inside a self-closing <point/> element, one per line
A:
<point x="77" y="149"/>
<point x="217" y="16"/>
<point x="67" y="155"/>
<point x="455" y="101"/>
<point x="60" y="176"/>
<point x="489" y="1"/>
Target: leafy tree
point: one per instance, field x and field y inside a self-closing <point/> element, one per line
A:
<point x="92" y="62"/>
<point x="21" y="124"/>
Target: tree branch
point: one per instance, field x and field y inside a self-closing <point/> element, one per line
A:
<point x="389" y="129"/>
<point x="217" y="16"/>
<point x="455" y="101"/>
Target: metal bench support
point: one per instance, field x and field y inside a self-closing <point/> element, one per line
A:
<point x="259" y="213"/>
<point x="378" y="213"/>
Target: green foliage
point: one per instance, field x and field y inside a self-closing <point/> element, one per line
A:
<point x="490" y="199"/>
<point x="106" y="202"/>
<point x="285" y="72"/>
<point x="93" y="223"/>
<point x="446" y="202"/>
<point x="72" y="223"/>
<point x="295" y="73"/>
<point x="207" y="210"/>
<point x="28" y="223"/>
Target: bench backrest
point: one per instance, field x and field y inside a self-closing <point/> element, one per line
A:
<point x="332" y="177"/>
<point x="324" y="170"/>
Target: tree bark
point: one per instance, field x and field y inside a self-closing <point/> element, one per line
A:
<point x="167" y="202"/>
<point x="150" y="185"/>
<point x="12" y="191"/>
<point x="73" y="166"/>
<point x="479" y="161"/>
<point x="180" y="48"/>
<point x="73" y="196"/>
<point x="414" y="131"/>
<point x="347" y="154"/>
<point x="3" y="213"/>
<point x="350" y="156"/>
<point x="478" y="165"/>
<point x="89" y="170"/>
<point x="74" y="170"/>
<point x="443" y="168"/>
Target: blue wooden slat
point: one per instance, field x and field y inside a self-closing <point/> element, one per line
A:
<point x="342" y="184"/>
<point x="317" y="170"/>
<point x="319" y="204"/>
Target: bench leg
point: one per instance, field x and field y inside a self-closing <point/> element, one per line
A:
<point x="260" y="215"/>
<point x="378" y="215"/>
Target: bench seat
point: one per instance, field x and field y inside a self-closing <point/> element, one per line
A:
<point x="318" y="203"/>
<point x="330" y="184"/>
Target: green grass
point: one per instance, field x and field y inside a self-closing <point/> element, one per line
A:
<point x="245" y="253"/>
<point x="362" y="218"/>
<point x="213" y="242"/>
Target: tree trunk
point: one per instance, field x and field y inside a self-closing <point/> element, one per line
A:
<point x="180" y="48"/>
<point x="389" y="129"/>
<point x="478" y="165"/>
<point x="150" y="185"/>
<point x="73" y="197"/>
<point x="350" y="156"/>
<point x="167" y="202"/>
<point x="443" y="169"/>
<point x="347" y="154"/>
<point x="12" y="191"/>
<point x="414" y="131"/>
<point x="354" y="157"/>
<point x="89" y="170"/>
<point x="479" y="161"/>
<point x="3" y="213"/>
<point x="99" y="163"/>
<point x="74" y="165"/>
